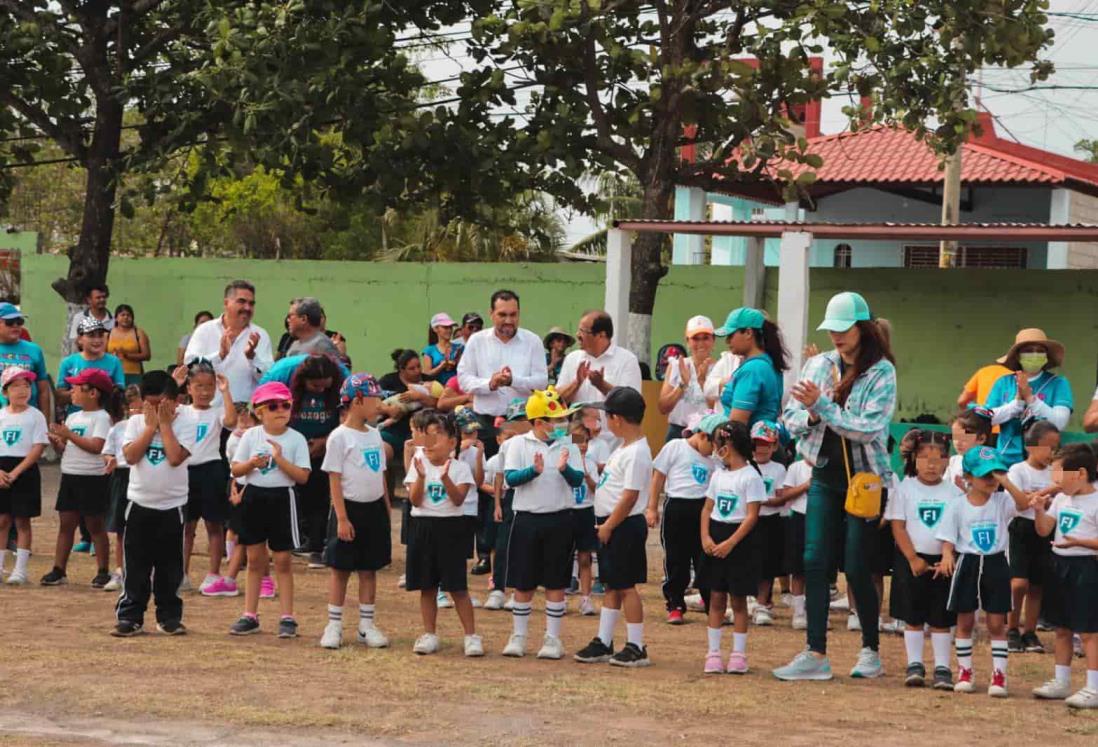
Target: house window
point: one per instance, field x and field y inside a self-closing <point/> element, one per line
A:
<point x="987" y="257"/>
<point x="843" y="255"/>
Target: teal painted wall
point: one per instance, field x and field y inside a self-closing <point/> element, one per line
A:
<point x="946" y="323"/>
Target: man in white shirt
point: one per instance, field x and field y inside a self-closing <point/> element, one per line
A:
<point x="238" y="349"/>
<point x="96" y="299"/>
<point x="500" y="364"/>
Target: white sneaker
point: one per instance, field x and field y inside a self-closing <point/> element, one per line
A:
<point x="17" y="578"/>
<point x="1085" y="698"/>
<point x="475" y="602"/>
<point x="495" y="600"/>
<point x="516" y="646"/>
<point x="729" y="616"/>
<point x="444" y="602"/>
<point x="115" y="584"/>
<point x="371" y="637"/>
<point x="333" y="635"/>
<point x="853" y="623"/>
<point x="893" y="626"/>
<point x="510" y="603"/>
<point x="752" y="605"/>
<point x="185" y="584"/>
<point x="694" y="603"/>
<point x="551" y="648"/>
<point x="426" y="644"/>
<point x="207" y="582"/>
<point x="586" y="607"/>
<point x="474" y="646"/>
<point x="762" y="616"/>
<point x="840" y="604"/>
<point x="402" y="581"/>
<point x="1052" y="690"/>
<point x="868" y="666"/>
<point x="800" y="622"/>
<point x="786" y="600"/>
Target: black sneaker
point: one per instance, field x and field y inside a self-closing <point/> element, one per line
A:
<point x="573" y="587"/>
<point x="943" y="679"/>
<point x="56" y="577"/>
<point x="1032" y="644"/>
<point x="1014" y="641"/>
<point x="631" y="656"/>
<point x="316" y="561"/>
<point x="172" y="627"/>
<point x="245" y="626"/>
<point x="287" y="628"/>
<point x="126" y="629"/>
<point x="595" y="652"/>
<point x="101" y="579"/>
<point x="916" y="675"/>
<point x="301" y="552"/>
<point x="483" y="568"/>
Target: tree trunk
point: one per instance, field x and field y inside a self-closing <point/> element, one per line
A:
<point x="647" y="268"/>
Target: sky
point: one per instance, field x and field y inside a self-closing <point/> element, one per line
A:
<point x="1050" y="119"/>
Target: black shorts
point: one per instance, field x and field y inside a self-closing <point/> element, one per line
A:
<point x="235" y="522"/>
<point x="208" y="492"/>
<point x="539" y="550"/>
<point x="435" y="558"/>
<point x="88" y="494"/>
<point x="769" y="536"/>
<point x="1030" y="553"/>
<point x="23" y="500"/>
<point x="120" y="486"/>
<point x="882" y="550"/>
<point x="623" y="561"/>
<point x="980" y="582"/>
<point x="269" y="515"/>
<point x="372" y="547"/>
<point x="584" y="536"/>
<point x="405" y="521"/>
<point x="737" y="574"/>
<point x="794" y="543"/>
<point x="920" y="600"/>
<point x="1071" y="593"/>
<point x="471" y="546"/>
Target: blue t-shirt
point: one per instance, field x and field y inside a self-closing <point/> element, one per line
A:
<point x="754" y="386"/>
<point x="26" y="355"/>
<point x="435" y="355"/>
<point x="75" y="363"/>
<point x="314" y="420"/>
<point x="1053" y="390"/>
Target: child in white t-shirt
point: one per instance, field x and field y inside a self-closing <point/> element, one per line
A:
<point x="770" y="531"/>
<point x="798" y="478"/>
<point x="119" y="471"/>
<point x="503" y="516"/>
<point x="585" y="541"/>
<point x="23" y="438"/>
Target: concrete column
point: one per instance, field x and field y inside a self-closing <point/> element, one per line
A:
<point x="793" y="297"/>
<point x="619" y="261"/>
<point x="689" y="249"/>
<point x="1059" y="213"/>
<point x="754" y="273"/>
<point x="721" y="248"/>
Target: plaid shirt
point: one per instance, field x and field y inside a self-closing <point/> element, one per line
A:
<point x="863" y="420"/>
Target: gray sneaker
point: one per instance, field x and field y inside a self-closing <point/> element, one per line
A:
<point x="1085" y="698"/>
<point x="869" y="665"/>
<point x="805" y="666"/>
<point x="1052" y="690"/>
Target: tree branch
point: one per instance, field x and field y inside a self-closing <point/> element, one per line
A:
<point x="19" y="10"/>
<point x="154" y="45"/>
<point x="73" y="145"/>
<point x="622" y="153"/>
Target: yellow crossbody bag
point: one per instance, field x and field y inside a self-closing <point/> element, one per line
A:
<point x="863" y="489"/>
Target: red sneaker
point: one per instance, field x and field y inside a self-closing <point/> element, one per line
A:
<point x="997" y="688"/>
<point x="964" y="682"/>
<point x="674" y="617"/>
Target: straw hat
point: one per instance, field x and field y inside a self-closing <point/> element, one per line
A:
<point x="558" y="332"/>
<point x="1034" y="336"/>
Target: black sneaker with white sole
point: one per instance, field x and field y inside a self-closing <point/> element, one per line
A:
<point x="1014" y="642"/>
<point x="631" y="655"/>
<point x="287" y="628"/>
<point x="127" y="629"/>
<point x="56" y="577"/>
<point x="245" y="626"/>
<point x="943" y="679"/>
<point x="316" y="561"/>
<point x="1032" y="644"/>
<point x="595" y="652"/>
<point x="172" y="627"/>
<point x="916" y="675"/>
<point x="101" y="579"/>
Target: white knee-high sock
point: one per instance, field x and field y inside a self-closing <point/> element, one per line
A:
<point x="520" y="617"/>
<point x="608" y="618"/>
<point x="913" y="642"/>
<point x="941" y="643"/>
<point x="554" y="616"/>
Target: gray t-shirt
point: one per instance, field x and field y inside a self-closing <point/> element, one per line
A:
<point x="319" y="343"/>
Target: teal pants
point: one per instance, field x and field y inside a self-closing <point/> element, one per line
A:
<point x="825" y="534"/>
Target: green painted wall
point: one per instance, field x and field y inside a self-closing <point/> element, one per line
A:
<point x="946" y="323"/>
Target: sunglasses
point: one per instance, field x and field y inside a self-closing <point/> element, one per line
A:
<point x="17" y="322"/>
<point x="277" y="405"/>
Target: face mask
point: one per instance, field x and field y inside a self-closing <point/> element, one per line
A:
<point x="1032" y="362"/>
<point x="558" y="432"/>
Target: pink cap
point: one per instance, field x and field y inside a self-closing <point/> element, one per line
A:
<point x="442" y="319"/>
<point x="11" y="373"/>
<point x="272" y="391"/>
<point x="699" y="324"/>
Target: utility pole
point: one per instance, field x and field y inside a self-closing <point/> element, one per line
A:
<point x="951" y="187"/>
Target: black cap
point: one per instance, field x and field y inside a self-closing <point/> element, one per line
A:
<point x="621" y="400"/>
<point x="471" y="316"/>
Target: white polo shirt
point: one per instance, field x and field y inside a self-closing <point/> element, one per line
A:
<point x="243" y="374"/>
<point x="358" y="457"/>
<point x="549" y="491"/>
<point x="485" y="354"/>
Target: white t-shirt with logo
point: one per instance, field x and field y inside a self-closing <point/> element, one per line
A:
<point x="549" y="491"/>
<point x="154" y="482"/>
<point x="773" y="475"/>
<point x="113" y="445"/>
<point x="255" y="441"/>
<point x="978" y="530"/>
<point x="798" y="474"/>
<point x="599" y="450"/>
<point x="87" y="424"/>
<point x="1075" y="515"/>
<point x="687" y="470"/>
<point x="583" y="496"/>
<point x="732" y="490"/>
<point x="435" y="501"/>
<point x="19" y="432"/>
<point x="1029" y="479"/>
<point x="922" y="507"/>
<point x="629" y="468"/>
<point x="207" y="439"/>
<point x="472" y="498"/>
<point x="358" y="457"/>
<point x="231" y="443"/>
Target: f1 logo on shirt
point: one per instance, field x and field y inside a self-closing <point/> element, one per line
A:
<point x="200" y="431"/>
<point x="436" y="492"/>
<point x="155" y="455"/>
<point x="12" y="436"/>
<point x="930" y="514"/>
<point x="604" y="478"/>
<point x="700" y="473"/>
<point x="726" y="505"/>
<point x="984" y="535"/>
<point x="79" y="430"/>
<point x="768" y="483"/>
<point x="1069" y="520"/>
<point x="270" y="464"/>
<point x="372" y="458"/>
<point x="579" y="494"/>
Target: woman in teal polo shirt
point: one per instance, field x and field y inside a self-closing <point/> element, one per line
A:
<point x="755" y="391"/>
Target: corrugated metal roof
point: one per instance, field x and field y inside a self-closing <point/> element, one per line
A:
<point x="929" y="231"/>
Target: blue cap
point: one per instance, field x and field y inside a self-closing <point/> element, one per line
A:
<point x="981" y="461"/>
<point x="360" y="384"/>
<point x="844" y="310"/>
<point x="10" y="311"/>
<point x="765" y="430"/>
<point x="742" y="318"/>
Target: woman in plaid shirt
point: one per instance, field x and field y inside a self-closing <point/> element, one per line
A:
<point x="845" y="394"/>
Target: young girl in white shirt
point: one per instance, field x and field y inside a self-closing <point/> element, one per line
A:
<point x="23" y="438"/>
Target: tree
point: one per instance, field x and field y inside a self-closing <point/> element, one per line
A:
<point x="1089" y="148"/>
<point x="618" y="81"/>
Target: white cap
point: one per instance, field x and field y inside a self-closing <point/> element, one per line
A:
<point x="699" y="324"/>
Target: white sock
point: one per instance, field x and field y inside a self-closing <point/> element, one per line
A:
<point x="714" y="635"/>
<point x="366" y="615"/>
<point x="798" y="605"/>
<point x="554" y="616"/>
<point x="634" y="633"/>
<point x="335" y="614"/>
<point x="520" y="618"/>
<point x="941" y="643"/>
<point x="913" y="642"/>
<point x="1063" y="674"/>
<point x="608" y="618"/>
<point x="3" y="556"/>
<point x="739" y="643"/>
<point x="999" y="656"/>
<point x="964" y="652"/>
<point x="1092" y="679"/>
<point x="21" y="557"/>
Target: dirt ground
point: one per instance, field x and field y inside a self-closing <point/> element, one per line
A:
<point x="67" y="682"/>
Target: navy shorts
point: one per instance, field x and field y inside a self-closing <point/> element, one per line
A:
<point x="623" y="561"/>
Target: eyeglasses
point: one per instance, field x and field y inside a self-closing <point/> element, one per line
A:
<point x="585" y="331"/>
<point x="16" y="322"/>
<point x="277" y="405"/>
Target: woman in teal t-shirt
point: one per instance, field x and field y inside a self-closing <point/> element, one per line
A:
<point x="755" y="391"/>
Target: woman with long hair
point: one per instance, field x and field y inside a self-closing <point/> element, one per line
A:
<point x="754" y="392"/>
<point x="129" y="343"/>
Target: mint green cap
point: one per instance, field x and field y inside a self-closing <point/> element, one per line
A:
<point x="742" y="318"/>
<point x="843" y="311"/>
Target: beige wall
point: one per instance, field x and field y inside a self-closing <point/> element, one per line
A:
<point x="1083" y="209"/>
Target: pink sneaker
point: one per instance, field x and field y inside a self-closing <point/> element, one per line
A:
<point x="220" y="587"/>
<point x="267" y="588"/>
<point x="713" y="663"/>
<point x="737" y="663"/>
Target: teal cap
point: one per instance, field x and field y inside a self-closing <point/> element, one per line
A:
<point x="741" y="318"/>
<point x="982" y="461"/>
<point x="843" y="311"/>
<point x="706" y="424"/>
